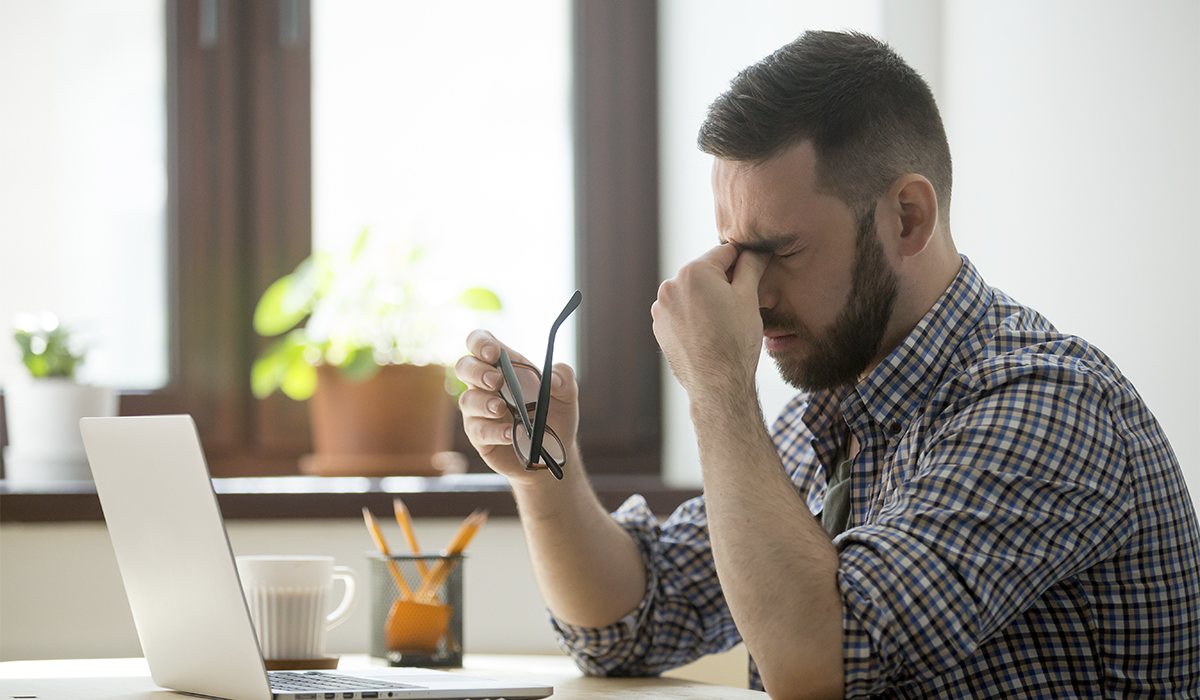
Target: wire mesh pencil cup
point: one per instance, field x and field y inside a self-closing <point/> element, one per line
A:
<point x="424" y="628"/>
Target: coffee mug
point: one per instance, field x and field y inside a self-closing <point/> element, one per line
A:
<point x="288" y="597"/>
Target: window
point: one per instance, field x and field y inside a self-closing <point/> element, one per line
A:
<point x="240" y="212"/>
<point x="83" y="185"/>
<point x="456" y="135"/>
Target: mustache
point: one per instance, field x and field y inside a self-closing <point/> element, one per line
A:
<point x="774" y="321"/>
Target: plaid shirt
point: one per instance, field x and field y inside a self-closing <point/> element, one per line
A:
<point x="1019" y="526"/>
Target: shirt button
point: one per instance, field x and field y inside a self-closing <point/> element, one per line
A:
<point x="893" y="428"/>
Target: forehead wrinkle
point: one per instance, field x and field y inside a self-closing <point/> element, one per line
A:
<point x="752" y="202"/>
<point x="738" y="216"/>
<point x="743" y="212"/>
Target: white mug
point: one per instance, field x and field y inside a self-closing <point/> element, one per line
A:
<point x="288" y="597"/>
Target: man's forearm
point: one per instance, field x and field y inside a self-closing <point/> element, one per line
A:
<point x="777" y="567"/>
<point x="589" y="569"/>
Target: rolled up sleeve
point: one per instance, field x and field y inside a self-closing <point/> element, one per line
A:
<point x="683" y="614"/>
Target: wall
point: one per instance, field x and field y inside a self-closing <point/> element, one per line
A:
<point x="1073" y="127"/>
<point x="61" y="594"/>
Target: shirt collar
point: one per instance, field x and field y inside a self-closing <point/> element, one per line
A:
<point x="896" y="389"/>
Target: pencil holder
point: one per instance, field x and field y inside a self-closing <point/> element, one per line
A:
<point x="423" y="625"/>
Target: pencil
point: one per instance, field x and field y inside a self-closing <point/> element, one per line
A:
<point x="405" y="521"/>
<point x="466" y="532"/>
<point x="377" y="535"/>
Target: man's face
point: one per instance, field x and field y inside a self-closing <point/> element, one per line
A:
<point x="828" y="291"/>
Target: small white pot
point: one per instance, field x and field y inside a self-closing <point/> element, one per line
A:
<point x="42" y="417"/>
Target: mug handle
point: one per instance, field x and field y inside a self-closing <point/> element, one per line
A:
<point x="342" y="611"/>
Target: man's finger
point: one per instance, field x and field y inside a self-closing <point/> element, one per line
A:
<point x="484" y="433"/>
<point x="482" y="344"/>
<point x="721" y="257"/>
<point x="749" y="270"/>
<point x="475" y="372"/>
<point x="562" y="383"/>
<point x="474" y="403"/>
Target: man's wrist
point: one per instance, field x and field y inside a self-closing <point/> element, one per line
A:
<point x="723" y="399"/>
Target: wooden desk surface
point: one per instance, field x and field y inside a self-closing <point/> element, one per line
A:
<point x="129" y="679"/>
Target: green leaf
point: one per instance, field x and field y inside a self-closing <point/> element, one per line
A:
<point x="280" y="363"/>
<point x="46" y="351"/>
<point x="299" y="381"/>
<point x="274" y="314"/>
<point x="38" y="366"/>
<point x="265" y="375"/>
<point x="360" y="243"/>
<point x="480" y="299"/>
<point x="360" y="365"/>
<point x="24" y="341"/>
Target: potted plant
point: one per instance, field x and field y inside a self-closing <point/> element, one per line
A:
<point x="361" y="334"/>
<point x="43" y="406"/>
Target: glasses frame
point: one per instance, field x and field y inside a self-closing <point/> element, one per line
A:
<point x="521" y="420"/>
<point x="537" y="430"/>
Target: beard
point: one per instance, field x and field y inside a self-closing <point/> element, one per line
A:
<point x="852" y="342"/>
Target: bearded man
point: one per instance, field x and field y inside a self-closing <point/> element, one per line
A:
<point x="962" y="502"/>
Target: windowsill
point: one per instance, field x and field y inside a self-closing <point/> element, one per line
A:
<point x="308" y="497"/>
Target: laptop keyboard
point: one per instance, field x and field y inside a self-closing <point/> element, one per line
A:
<point x="314" y="681"/>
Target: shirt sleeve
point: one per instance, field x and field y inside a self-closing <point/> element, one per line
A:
<point x="683" y="614"/>
<point x="1019" y="487"/>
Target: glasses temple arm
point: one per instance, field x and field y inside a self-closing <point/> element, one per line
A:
<point x="543" y="404"/>
<point x="554" y="467"/>
<point x="514" y="387"/>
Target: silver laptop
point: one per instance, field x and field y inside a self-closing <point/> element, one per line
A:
<point x="183" y="586"/>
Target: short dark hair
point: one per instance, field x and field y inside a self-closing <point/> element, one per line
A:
<point x="871" y="117"/>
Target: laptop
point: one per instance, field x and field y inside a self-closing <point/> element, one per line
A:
<point x="183" y="586"/>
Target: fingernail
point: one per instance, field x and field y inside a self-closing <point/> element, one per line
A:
<point x="491" y="379"/>
<point x="508" y="433"/>
<point x="491" y="354"/>
<point x="495" y="405"/>
<point x="556" y="381"/>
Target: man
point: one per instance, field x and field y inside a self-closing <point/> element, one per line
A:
<point x="963" y="503"/>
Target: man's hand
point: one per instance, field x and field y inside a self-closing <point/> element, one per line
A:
<point x="588" y="568"/>
<point x="707" y="321"/>
<point x="486" y="418"/>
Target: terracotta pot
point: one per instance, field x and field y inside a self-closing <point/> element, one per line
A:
<point x="399" y="422"/>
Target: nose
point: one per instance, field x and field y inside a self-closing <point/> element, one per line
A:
<point x="768" y="294"/>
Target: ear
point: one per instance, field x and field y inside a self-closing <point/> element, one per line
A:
<point x="912" y="202"/>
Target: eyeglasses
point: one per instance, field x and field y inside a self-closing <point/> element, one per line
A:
<point x="521" y="380"/>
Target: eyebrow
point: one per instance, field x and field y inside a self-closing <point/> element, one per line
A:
<point x="766" y="245"/>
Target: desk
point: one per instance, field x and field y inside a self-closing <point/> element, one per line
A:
<point x="129" y="679"/>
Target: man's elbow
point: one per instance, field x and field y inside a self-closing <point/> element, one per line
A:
<point x="813" y="681"/>
<point x="803" y="666"/>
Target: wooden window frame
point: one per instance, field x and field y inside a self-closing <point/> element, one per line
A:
<point x="239" y="216"/>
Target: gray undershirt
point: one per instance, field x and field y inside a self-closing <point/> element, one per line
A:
<point x="835" y="510"/>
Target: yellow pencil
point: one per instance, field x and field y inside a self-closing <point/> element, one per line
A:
<point x="377" y="535"/>
<point x="405" y="521"/>
<point x="466" y="532"/>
